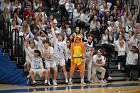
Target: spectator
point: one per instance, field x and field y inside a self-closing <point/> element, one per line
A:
<point x="106" y="38"/>
<point x="24" y="4"/>
<point x="25" y="28"/>
<point x="41" y="13"/>
<point x="28" y="12"/>
<point x="95" y="24"/>
<point x="2" y="5"/>
<point x="98" y="63"/>
<point x="70" y="8"/>
<point x="103" y="24"/>
<point x="105" y="6"/>
<point x="131" y="60"/>
<point x="6" y="14"/>
<point x="95" y="27"/>
<point x="131" y="39"/>
<point x="62" y="7"/>
<point x="77" y="13"/>
<point x="77" y="54"/>
<point x="17" y="4"/>
<point x="84" y="18"/>
<point x="16" y="17"/>
<point x="37" y="4"/>
<point x="18" y="12"/>
<point x="121" y="54"/>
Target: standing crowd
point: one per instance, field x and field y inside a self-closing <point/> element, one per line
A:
<point x="115" y="25"/>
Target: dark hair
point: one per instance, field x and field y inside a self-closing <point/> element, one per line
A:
<point x="63" y="27"/>
<point x="37" y="51"/>
<point x="36" y="28"/>
<point x="31" y="42"/>
<point x="85" y="10"/>
<point x="90" y="35"/>
<point x="46" y="41"/>
<point x="134" y="47"/>
<point x="60" y="34"/>
<point x="100" y="50"/>
<point x="67" y="23"/>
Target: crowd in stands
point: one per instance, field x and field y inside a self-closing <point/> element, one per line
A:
<point x="115" y="25"/>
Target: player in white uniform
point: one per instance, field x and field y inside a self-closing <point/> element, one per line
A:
<point x="48" y="55"/>
<point x="29" y="50"/>
<point x="60" y="50"/>
<point x="37" y="67"/>
<point x="90" y="44"/>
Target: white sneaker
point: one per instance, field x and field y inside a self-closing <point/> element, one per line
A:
<point x="96" y="80"/>
<point x="49" y="83"/>
<point x="105" y="81"/>
<point x="109" y="78"/>
<point x="102" y="81"/>
<point x="70" y="81"/>
<point x="57" y="12"/>
<point x="52" y="9"/>
<point x="119" y="66"/>
<point x="82" y="81"/>
<point x="92" y="82"/>
<point x="28" y="76"/>
<point x="54" y="83"/>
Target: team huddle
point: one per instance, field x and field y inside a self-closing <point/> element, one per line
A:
<point x="78" y="53"/>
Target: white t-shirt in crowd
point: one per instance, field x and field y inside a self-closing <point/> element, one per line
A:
<point x="62" y="2"/>
<point x="121" y="50"/>
<point x="69" y="7"/>
<point x="29" y="53"/>
<point x="99" y="60"/>
<point x="132" y="58"/>
<point x="50" y="50"/>
<point x="76" y="15"/>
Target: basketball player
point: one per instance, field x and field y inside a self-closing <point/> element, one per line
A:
<point x="60" y="50"/>
<point x="48" y="55"/>
<point x="37" y="67"/>
<point x="88" y="55"/>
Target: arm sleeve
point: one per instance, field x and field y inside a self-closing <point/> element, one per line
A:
<point x="94" y="58"/>
<point x="19" y="20"/>
<point x="41" y="64"/>
<point x="136" y="14"/>
<point x="83" y="18"/>
<point x="35" y="6"/>
<point x="53" y="34"/>
<point x="127" y="48"/>
<point x="67" y="7"/>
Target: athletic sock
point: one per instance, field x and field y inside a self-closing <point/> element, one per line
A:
<point x="46" y="81"/>
<point x="34" y="81"/>
<point x="66" y="80"/>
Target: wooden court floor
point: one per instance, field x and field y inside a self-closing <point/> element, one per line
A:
<point x="114" y="87"/>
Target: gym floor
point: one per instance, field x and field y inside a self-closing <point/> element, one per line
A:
<point x="114" y="87"/>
